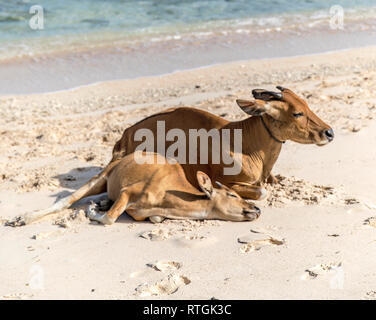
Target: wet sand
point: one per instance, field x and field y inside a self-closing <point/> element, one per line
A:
<point x="70" y="67"/>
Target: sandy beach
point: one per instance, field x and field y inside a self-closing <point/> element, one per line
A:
<point x="315" y="238"/>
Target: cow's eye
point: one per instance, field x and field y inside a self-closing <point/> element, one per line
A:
<point x="231" y="195"/>
<point x="297" y="115"/>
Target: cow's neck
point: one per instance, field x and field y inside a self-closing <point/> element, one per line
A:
<point x="258" y="143"/>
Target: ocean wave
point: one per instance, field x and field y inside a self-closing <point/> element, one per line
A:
<point x="36" y="45"/>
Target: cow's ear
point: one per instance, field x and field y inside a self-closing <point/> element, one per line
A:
<point x="205" y="183"/>
<point x="252" y="107"/>
<point x="259" y="107"/>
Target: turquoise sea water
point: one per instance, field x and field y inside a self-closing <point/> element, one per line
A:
<point x="97" y="20"/>
<point x="130" y="16"/>
<point x="86" y="41"/>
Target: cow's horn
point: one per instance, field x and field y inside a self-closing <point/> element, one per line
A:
<point x="265" y="95"/>
<point x="219" y="184"/>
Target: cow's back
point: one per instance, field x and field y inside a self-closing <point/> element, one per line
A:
<point x="177" y="118"/>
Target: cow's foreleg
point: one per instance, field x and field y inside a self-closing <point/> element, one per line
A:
<point x="95" y="185"/>
<point x="271" y="179"/>
<point x="248" y="191"/>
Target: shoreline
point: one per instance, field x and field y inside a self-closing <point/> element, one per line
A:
<point x="299" y="61"/>
<point x="358" y="18"/>
<point x="214" y="65"/>
<point x="73" y="69"/>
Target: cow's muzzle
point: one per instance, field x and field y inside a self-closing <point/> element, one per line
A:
<point x="326" y="136"/>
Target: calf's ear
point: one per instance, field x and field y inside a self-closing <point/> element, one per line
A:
<point x="252" y="107"/>
<point x="205" y="183"/>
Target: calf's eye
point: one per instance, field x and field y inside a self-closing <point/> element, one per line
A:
<point x="297" y="115"/>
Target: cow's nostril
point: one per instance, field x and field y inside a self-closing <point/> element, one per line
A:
<point x="329" y="134"/>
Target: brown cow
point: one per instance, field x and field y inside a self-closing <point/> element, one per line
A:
<point x="275" y="118"/>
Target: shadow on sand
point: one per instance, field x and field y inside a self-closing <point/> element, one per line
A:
<point x="76" y="178"/>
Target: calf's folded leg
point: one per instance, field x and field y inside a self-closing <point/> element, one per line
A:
<point x="119" y="206"/>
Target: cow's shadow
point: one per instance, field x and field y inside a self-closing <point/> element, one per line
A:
<point x="77" y="177"/>
<point x="74" y="179"/>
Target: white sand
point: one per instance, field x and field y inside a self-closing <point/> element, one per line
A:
<point x="327" y="247"/>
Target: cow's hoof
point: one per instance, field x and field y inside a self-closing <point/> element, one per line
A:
<point x="156" y="219"/>
<point x="272" y="180"/>
<point x="263" y="194"/>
